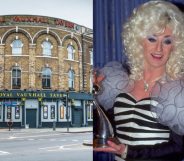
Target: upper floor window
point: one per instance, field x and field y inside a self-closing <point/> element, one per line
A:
<point x="17" y="47"/>
<point x="16" y="78"/>
<point x="71" y="79"/>
<point x="91" y="57"/>
<point x="71" y="51"/>
<point x="46" y="78"/>
<point x="47" y="47"/>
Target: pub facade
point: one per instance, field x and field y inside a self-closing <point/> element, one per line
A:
<point x="45" y="72"/>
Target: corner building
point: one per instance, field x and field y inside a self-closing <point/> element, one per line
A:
<point x="45" y="72"/>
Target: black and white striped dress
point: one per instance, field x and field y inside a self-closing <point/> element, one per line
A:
<point x="135" y="123"/>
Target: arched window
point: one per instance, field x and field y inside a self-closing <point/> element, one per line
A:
<point x="71" y="79"/>
<point x="46" y="78"/>
<point x="16" y="78"/>
<point x="47" y="47"/>
<point x="17" y="47"/>
<point x="71" y="51"/>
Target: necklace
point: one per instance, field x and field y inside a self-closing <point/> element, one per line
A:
<point x="147" y="85"/>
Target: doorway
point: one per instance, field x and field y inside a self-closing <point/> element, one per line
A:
<point x="31" y="118"/>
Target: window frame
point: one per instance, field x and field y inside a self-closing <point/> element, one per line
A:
<point x="71" y="52"/>
<point x="71" y="80"/>
<point x="47" y="77"/>
<point x="16" y="86"/>
<point x="17" y="46"/>
<point x="46" y="51"/>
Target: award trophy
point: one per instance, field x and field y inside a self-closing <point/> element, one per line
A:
<point x="111" y="84"/>
<point x="109" y="81"/>
<point x="104" y="130"/>
<point x="103" y="127"/>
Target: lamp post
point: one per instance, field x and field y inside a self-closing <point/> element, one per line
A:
<point x="67" y="111"/>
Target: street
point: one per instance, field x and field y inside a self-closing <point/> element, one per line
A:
<point x="45" y="145"/>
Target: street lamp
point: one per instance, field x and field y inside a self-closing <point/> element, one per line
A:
<point x="67" y="110"/>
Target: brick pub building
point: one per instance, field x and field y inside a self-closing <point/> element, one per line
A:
<point x="45" y="72"/>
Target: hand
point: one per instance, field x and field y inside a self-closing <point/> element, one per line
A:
<point x="112" y="148"/>
<point x="97" y="78"/>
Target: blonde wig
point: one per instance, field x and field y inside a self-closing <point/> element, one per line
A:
<point x="152" y="18"/>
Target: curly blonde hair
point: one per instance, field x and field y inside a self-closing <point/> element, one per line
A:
<point x="152" y="18"/>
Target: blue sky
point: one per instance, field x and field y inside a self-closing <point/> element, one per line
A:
<point x="77" y="11"/>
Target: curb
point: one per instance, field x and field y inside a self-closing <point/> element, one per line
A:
<point x="74" y="131"/>
<point x="48" y="130"/>
<point x="88" y="144"/>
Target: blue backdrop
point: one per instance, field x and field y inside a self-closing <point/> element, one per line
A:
<point x="108" y="17"/>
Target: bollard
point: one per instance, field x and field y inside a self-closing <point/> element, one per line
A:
<point x="9" y="123"/>
<point x="54" y="125"/>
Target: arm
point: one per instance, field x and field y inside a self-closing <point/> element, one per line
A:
<point x="170" y="151"/>
<point x="174" y="149"/>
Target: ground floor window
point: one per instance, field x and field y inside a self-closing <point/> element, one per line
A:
<point x="64" y="111"/>
<point x="52" y="111"/>
<point x="17" y="112"/>
<point x="9" y="113"/>
<point x="1" y="112"/>
<point x="13" y="113"/>
<point x="45" y="112"/>
<point x="48" y="111"/>
<point x="90" y="112"/>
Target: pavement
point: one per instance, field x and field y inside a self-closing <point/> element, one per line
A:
<point x="64" y="130"/>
